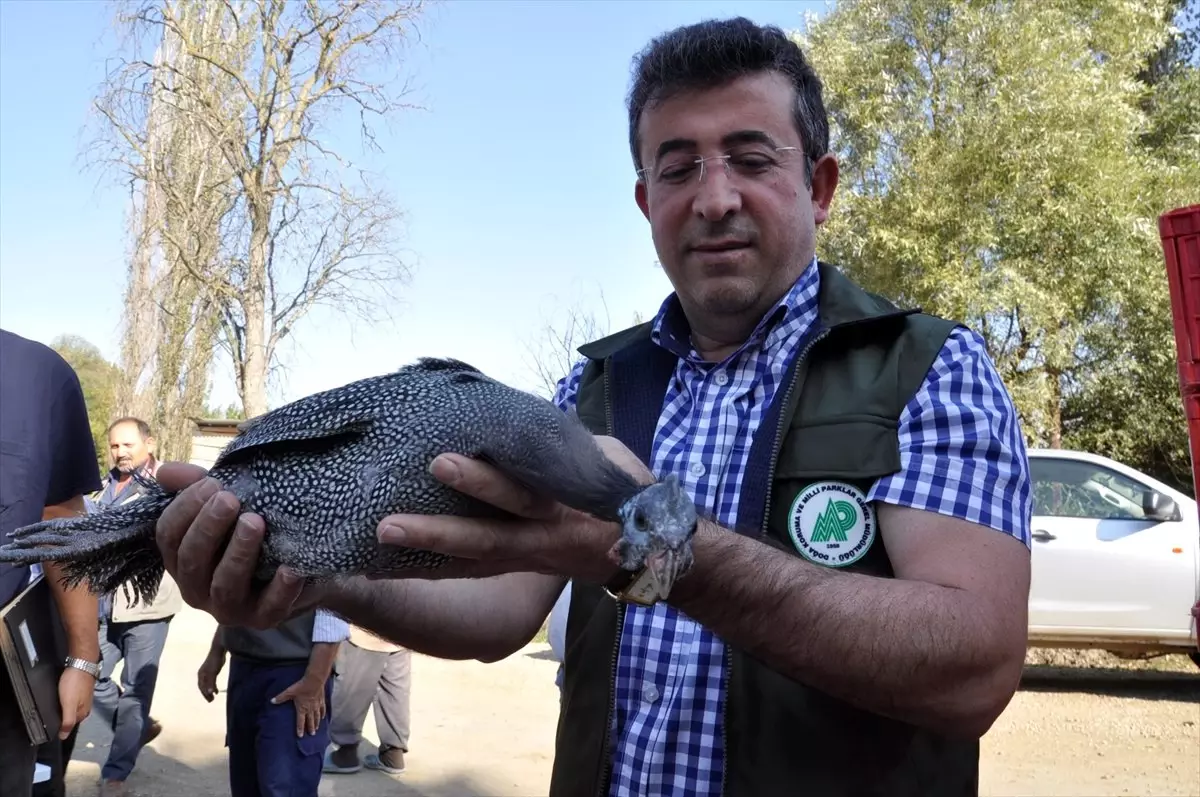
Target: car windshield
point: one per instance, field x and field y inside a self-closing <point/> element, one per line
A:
<point x="1070" y="488"/>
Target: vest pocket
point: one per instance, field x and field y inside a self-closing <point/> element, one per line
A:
<point x="846" y="447"/>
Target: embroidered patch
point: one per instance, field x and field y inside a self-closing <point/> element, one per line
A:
<point x="832" y="523"/>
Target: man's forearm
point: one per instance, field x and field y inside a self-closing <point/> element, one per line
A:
<point x="484" y="619"/>
<point x="77" y="606"/>
<point x="79" y="612"/>
<point x="216" y="648"/>
<point x="917" y="652"/>
<point x="320" y="661"/>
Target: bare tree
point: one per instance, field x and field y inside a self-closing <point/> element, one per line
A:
<point x="553" y="350"/>
<point x="180" y="198"/>
<point x="269" y="221"/>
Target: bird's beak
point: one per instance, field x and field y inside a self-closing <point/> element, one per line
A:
<point x="664" y="568"/>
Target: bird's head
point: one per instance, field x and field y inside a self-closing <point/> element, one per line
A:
<point x="657" y="525"/>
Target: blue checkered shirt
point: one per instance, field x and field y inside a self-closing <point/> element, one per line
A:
<point x="961" y="454"/>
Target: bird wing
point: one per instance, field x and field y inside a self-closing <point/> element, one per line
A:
<point x="351" y="409"/>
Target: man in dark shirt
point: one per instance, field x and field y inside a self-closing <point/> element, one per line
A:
<point x="47" y="464"/>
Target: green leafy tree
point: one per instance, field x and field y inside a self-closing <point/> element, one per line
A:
<point x="1129" y="407"/>
<point x="1004" y="164"/>
<point x="230" y="412"/>
<point x="99" y="379"/>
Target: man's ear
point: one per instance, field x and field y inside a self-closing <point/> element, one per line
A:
<point x="150" y="444"/>
<point x="824" y="185"/>
<point x="639" y="195"/>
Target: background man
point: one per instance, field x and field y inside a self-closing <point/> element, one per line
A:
<point x="47" y="464"/>
<point x="276" y="749"/>
<point x="862" y="569"/>
<point x="371" y="671"/>
<point x="135" y="634"/>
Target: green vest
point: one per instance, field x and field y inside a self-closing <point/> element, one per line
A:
<point x="837" y="419"/>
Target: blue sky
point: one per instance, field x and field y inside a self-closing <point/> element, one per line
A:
<point x="515" y="181"/>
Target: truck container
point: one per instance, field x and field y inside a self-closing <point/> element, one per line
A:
<point x="1179" y="230"/>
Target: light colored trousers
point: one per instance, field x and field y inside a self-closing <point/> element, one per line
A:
<point x="369" y="678"/>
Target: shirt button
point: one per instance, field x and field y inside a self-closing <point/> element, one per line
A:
<point x="650" y="693"/>
<point x="722" y="378"/>
<point x="697" y="469"/>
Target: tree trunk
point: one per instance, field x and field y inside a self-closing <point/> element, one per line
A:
<point x="254" y="379"/>
<point x="1055" y="409"/>
<point x="140" y="334"/>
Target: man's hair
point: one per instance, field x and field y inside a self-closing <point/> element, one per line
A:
<point x="713" y="53"/>
<point x="142" y="427"/>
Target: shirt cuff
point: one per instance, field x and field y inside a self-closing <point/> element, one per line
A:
<point x="329" y="628"/>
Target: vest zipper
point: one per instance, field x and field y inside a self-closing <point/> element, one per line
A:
<point x="606" y="748"/>
<point x="775" y="446"/>
<point x="784" y="416"/>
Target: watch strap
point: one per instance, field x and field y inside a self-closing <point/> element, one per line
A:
<point x="633" y="586"/>
<point x="90" y="667"/>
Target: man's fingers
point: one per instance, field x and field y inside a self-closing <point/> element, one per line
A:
<point x="284" y="696"/>
<point x="230" y="589"/>
<point x="178" y="517"/>
<point x="175" y="476"/>
<point x="480" y="480"/>
<point x="68" y="719"/>
<point x="277" y="599"/>
<point x="201" y="546"/>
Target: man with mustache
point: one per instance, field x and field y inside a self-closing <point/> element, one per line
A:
<point x="855" y="617"/>
<point x="135" y="633"/>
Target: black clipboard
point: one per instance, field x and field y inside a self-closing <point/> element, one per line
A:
<point x="32" y="645"/>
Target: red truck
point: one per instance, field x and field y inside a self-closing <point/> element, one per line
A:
<point x="1179" y="230"/>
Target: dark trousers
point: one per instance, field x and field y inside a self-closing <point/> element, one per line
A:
<point x="17" y="754"/>
<point x="266" y="758"/>
<point x="127" y="710"/>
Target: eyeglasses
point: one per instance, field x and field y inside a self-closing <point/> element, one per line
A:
<point x="747" y="164"/>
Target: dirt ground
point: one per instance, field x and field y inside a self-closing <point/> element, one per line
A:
<point x="1103" y="728"/>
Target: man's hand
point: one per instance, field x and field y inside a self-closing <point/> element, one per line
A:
<point x="75" y="689"/>
<point x="193" y="530"/>
<point x="308" y="695"/>
<point x="547" y="538"/>
<point x="206" y="676"/>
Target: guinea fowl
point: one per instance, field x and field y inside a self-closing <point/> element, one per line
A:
<point x="323" y="471"/>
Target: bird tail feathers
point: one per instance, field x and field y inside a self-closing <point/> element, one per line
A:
<point x="105" y="550"/>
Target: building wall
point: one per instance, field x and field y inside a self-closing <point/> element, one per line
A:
<point x="206" y="446"/>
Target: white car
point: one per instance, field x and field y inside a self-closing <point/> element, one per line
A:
<point x="1116" y="557"/>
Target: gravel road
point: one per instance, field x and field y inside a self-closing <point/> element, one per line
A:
<point x="1081" y="725"/>
<point x="1089" y="724"/>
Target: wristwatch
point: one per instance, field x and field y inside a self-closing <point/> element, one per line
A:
<point x="90" y="667"/>
<point x="633" y="586"/>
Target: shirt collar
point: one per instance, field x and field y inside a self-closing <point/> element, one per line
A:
<point x="795" y="312"/>
<point x="149" y="469"/>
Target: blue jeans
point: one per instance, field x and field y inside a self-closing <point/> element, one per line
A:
<point x="266" y="758"/>
<point x="127" y="710"/>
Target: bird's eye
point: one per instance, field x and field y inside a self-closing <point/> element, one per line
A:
<point x="639" y="520"/>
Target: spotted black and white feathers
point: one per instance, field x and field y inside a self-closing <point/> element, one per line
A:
<point x="323" y="471"/>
